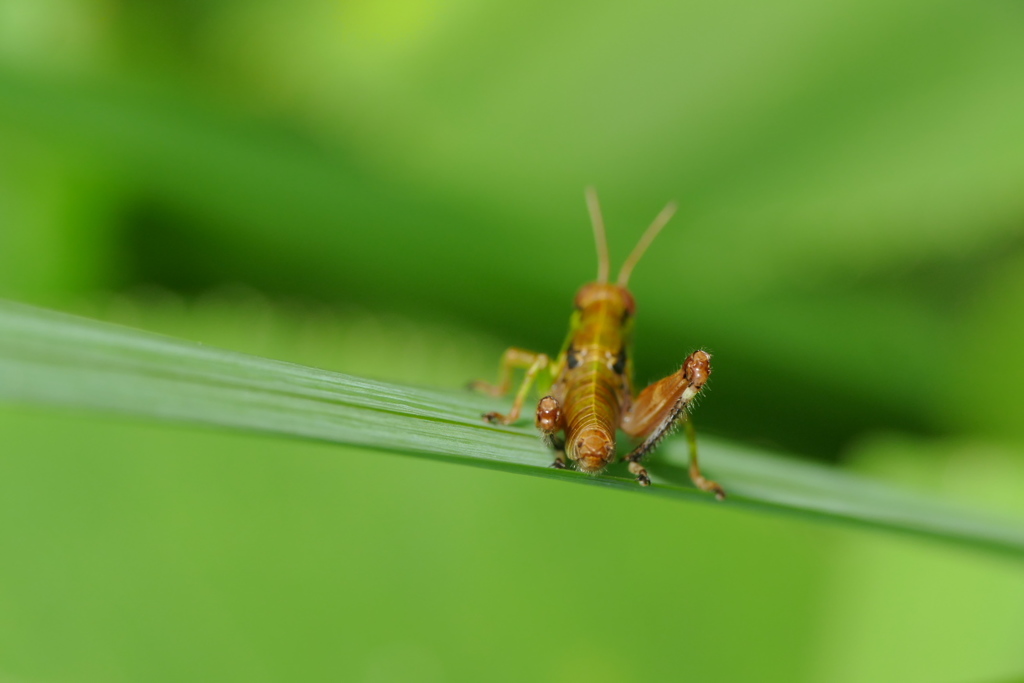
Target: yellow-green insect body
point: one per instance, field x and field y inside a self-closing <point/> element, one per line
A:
<point x="590" y="390"/>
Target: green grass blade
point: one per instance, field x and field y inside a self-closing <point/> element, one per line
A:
<point x="53" y="359"/>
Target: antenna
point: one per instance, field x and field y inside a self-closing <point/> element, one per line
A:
<point x="599" y="237"/>
<point x="645" y="241"/>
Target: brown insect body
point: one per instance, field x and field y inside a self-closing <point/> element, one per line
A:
<point x="591" y="393"/>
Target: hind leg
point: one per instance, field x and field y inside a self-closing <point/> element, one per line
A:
<point x="550" y="421"/>
<point x="659" y="408"/>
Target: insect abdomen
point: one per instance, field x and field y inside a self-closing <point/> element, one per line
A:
<point x="592" y="415"/>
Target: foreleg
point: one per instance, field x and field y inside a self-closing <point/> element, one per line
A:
<point x="511" y="360"/>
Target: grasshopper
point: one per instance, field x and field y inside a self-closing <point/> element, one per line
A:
<point x="590" y="383"/>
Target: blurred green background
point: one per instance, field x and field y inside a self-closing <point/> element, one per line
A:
<point x="393" y="189"/>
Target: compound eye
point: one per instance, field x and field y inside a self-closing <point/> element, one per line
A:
<point x="572" y="358"/>
<point x="619" y="366"/>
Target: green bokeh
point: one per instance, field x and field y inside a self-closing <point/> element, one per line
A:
<point x="394" y="189"/>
